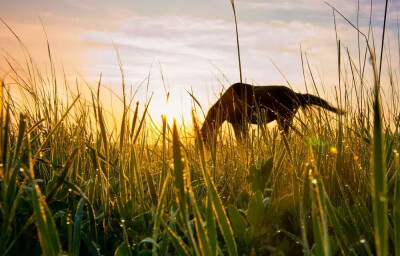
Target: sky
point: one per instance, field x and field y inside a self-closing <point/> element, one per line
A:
<point x="188" y="45"/>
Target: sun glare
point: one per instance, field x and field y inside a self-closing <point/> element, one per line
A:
<point x="170" y="112"/>
<point x="168" y="109"/>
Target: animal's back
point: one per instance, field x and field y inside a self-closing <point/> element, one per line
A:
<point x="264" y="90"/>
<point x="262" y="95"/>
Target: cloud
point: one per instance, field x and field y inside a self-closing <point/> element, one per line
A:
<point x="191" y="40"/>
<point x="189" y="47"/>
<point x="181" y="40"/>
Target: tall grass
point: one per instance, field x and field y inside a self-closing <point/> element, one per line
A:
<point x="72" y="183"/>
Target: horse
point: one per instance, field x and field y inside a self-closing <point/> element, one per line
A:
<point x="244" y="103"/>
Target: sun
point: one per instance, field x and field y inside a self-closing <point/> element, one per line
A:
<point x="165" y="107"/>
<point x="171" y="112"/>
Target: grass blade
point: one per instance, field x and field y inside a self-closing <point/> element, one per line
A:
<point x="63" y="174"/>
<point x="181" y="181"/>
<point x="47" y="231"/>
<point x="396" y="207"/>
<point x="378" y="176"/>
<point x="76" y="240"/>
<point x="152" y="188"/>
<point x="122" y="250"/>
<point x="179" y="245"/>
<point x="218" y="208"/>
<point x="159" y="209"/>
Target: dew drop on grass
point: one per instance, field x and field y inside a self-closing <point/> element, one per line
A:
<point x="21" y="170"/>
<point x="334" y="151"/>
<point x="362" y="240"/>
<point x="314" y="181"/>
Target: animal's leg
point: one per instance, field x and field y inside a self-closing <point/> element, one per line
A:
<point x="284" y="123"/>
<point x="238" y="130"/>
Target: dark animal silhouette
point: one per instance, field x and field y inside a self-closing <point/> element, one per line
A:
<point x="270" y="102"/>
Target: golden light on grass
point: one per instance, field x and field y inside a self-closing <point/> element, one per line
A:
<point x="103" y="175"/>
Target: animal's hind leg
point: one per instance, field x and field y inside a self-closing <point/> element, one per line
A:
<point x="284" y="123"/>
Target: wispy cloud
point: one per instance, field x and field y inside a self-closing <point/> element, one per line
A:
<point x="191" y="41"/>
<point x="188" y="48"/>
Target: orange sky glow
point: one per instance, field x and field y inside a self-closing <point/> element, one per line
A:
<point x="179" y="46"/>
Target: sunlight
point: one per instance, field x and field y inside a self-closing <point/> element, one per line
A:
<point x="171" y="112"/>
<point x="167" y="108"/>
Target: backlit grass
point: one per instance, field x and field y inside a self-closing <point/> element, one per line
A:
<point x="73" y="183"/>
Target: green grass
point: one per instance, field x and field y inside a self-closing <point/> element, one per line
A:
<point x="71" y="183"/>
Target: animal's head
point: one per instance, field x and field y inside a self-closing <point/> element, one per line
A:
<point x="211" y="124"/>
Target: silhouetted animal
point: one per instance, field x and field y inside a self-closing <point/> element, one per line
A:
<point x="277" y="102"/>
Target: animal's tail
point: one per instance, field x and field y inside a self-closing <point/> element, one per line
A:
<point x="308" y="99"/>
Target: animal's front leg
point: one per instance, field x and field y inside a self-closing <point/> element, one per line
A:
<point x="238" y="128"/>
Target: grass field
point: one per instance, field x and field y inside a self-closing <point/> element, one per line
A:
<point x="71" y="183"/>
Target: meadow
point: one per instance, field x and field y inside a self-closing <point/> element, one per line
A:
<point x="72" y="183"/>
